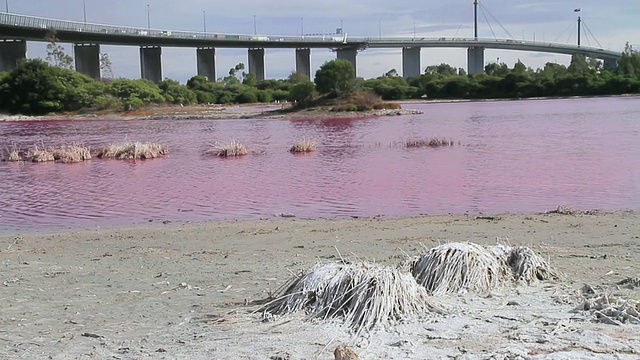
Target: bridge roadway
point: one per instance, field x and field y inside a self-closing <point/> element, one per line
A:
<point x="15" y="30"/>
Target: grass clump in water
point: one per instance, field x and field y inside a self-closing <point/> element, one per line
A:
<point x="430" y="142"/>
<point x="73" y="153"/>
<point x="132" y="151"/>
<point x="11" y="154"/>
<point x="233" y="148"/>
<point x="302" y="146"/>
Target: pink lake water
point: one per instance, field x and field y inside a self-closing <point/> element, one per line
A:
<point x="510" y="156"/>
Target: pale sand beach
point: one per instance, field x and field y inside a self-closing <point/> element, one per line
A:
<point x="188" y="291"/>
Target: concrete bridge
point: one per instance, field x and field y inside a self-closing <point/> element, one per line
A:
<point x="16" y="30"/>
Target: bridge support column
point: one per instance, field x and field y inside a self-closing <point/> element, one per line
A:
<point x="11" y="53"/>
<point x="303" y="62"/>
<point x="206" y="58"/>
<point x="256" y="63"/>
<point x="349" y="55"/>
<point x="151" y="63"/>
<point x="475" y="60"/>
<point x="87" y="58"/>
<point x="410" y="62"/>
<point x="610" y="64"/>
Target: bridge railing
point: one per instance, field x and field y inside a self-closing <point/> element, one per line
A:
<point x="74" y="26"/>
<point x="24" y="21"/>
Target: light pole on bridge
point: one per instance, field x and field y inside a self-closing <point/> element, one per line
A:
<point x="579" y="24"/>
<point x="84" y="10"/>
<point x="6" y="4"/>
<point x="204" y="21"/>
<point x="475" y="19"/>
<point x="148" y="17"/>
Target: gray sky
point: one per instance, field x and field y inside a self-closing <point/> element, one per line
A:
<point x="612" y="23"/>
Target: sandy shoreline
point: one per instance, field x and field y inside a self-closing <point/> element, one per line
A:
<point x="179" y="291"/>
<point x="209" y="112"/>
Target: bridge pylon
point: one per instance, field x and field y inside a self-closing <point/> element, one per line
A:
<point x="475" y="60"/>
<point x="348" y="54"/>
<point x="11" y="53"/>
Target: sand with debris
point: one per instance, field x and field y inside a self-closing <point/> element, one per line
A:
<point x="188" y="291"/>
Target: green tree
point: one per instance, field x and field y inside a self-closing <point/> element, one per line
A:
<point x="302" y="93"/>
<point x="629" y="63"/>
<point x="579" y="65"/>
<point x="176" y="93"/>
<point x="35" y="87"/>
<point x="335" y="78"/>
<point x="442" y="69"/>
<point x="106" y="67"/>
<point x="135" y="93"/>
<point x="297" y="77"/>
<point x="56" y="55"/>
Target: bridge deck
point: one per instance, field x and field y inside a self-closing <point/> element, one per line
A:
<point x="13" y="26"/>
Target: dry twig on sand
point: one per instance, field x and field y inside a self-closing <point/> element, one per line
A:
<point x="612" y="310"/>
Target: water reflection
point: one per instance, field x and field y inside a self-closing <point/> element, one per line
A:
<point x="515" y="156"/>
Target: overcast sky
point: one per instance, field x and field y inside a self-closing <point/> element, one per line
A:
<point x="609" y="23"/>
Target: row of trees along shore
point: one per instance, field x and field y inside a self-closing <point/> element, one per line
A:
<point x="38" y="87"/>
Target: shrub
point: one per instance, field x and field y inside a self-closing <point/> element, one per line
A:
<point x="107" y="102"/>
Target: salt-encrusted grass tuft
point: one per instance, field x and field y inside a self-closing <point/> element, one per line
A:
<point x="137" y="150"/>
<point x="363" y="294"/>
<point x="527" y="266"/>
<point x="457" y="268"/>
<point x="303" y="146"/>
<point x="233" y="148"/>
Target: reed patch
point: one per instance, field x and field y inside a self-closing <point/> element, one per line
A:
<point x="132" y="151"/>
<point x="231" y="149"/>
<point x="303" y="146"/>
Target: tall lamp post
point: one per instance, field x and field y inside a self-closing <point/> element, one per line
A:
<point x="6" y="4"/>
<point x="204" y="20"/>
<point x="84" y="10"/>
<point x="475" y="19"/>
<point x="148" y="18"/>
<point x="579" y="24"/>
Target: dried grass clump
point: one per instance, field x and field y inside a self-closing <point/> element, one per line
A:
<point x="137" y="150"/>
<point x="563" y="210"/>
<point x="611" y="310"/>
<point x="431" y="142"/>
<point x="40" y="155"/>
<point x="527" y="266"/>
<point x="457" y="268"/>
<point x="233" y="148"/>
<point x="73" y="153"/>
<point x="11" y="154"/>
<point x="304" y="145"/>
<point x="363" y="294"/>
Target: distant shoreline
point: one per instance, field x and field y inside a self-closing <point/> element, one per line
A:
<point x="260" y="110"/>
<point x="210" y="112"/>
